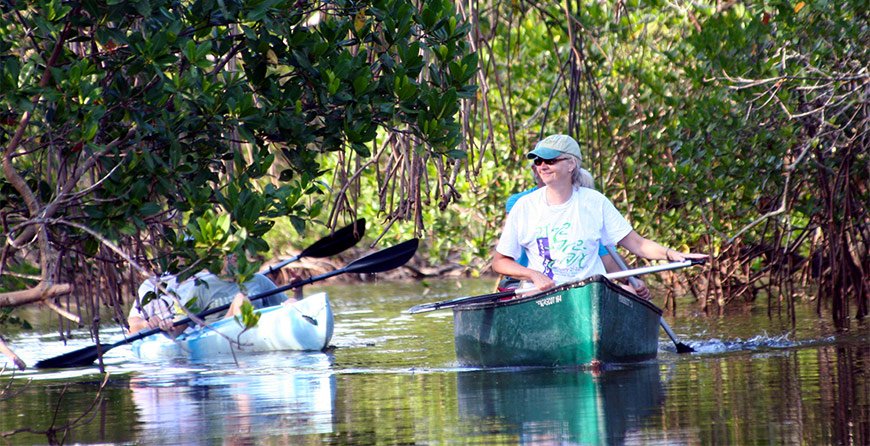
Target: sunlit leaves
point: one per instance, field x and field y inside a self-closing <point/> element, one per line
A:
<point x="56" y="10"/>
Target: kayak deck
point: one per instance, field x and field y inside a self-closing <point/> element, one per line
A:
<point x="305" y="325"/>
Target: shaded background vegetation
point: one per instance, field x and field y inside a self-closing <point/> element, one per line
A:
<point x="167" y="135"/>
<point x="731" y="128"/>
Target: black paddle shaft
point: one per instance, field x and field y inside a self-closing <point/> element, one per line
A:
<point x="432" y="306"/>
<point x="681" y="347"/>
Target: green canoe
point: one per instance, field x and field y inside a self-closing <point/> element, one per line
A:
<point x="576" y="324"/>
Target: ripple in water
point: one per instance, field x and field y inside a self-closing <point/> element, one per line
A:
<point x="762" y="342"/>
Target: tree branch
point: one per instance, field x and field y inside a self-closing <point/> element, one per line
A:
<point x="11" y="355"/>
<point x="38" y="293"/>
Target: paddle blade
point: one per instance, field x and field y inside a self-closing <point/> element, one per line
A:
<point x="683" y="348"/>
<point x="423" y="308"/>
<point x="384" y="260"/>
<point x="86" y="356"/>
<point x="78" y="358"/>
<point x="338" y="241"/>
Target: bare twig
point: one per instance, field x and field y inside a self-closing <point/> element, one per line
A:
<point x="11" y="355"/>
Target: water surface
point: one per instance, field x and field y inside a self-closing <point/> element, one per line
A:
<point x="392" y="379"/>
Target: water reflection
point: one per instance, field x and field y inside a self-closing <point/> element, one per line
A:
<point x="239" y="405"/>
<point x="563" y="406"/>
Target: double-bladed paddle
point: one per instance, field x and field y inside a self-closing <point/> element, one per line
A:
<point x="384" y="260"/>
<point x="332" y="244"/>
<point x="681" y="348"/>
<point x="459" y="301"/>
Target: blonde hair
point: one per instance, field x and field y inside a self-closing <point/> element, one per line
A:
<point x="580" y="176"/>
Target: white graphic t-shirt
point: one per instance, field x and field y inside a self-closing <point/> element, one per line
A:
<point x="562" y="241"/>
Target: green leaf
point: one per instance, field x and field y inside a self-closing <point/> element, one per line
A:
<point x="457" y="154"/>
<point x="57" y="10"/>
<point x="361" y="84"/>
<point x="248" y="318"/>
<point x="149" y="209"/>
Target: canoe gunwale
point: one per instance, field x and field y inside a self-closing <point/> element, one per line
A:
<point x="565" y="286"/>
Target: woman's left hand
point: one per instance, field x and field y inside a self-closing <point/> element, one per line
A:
<point x="676" y="256"/>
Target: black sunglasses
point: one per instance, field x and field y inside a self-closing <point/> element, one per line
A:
<point x="538" y="161"/>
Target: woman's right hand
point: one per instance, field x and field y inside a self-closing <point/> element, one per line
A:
<point x="640" y="289"/>
<point x="541" y="281"/>
<point x="166" y="325"/>
<point x="159" y="322"/>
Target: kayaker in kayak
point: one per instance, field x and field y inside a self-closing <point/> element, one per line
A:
<point x="561" y="226"/>
<point x="202" y="291"/>
<point x="507" y="283"/>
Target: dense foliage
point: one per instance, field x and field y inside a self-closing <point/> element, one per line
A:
<point x="169" y="135"/>
<point x="734" y="129"/>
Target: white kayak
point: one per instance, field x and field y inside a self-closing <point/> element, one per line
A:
<point x="304" y="325"/>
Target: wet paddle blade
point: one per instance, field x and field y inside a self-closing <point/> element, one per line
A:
<point x="78" y="358"/>
<point x="87" y="355"/>
<point x="683" y="348"/>
<point x="337" y="242"/>
<point x="384" y="260"/>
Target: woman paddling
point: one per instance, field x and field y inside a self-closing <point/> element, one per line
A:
<point x="610" y="265"/>
<point x="561" y="225"/>
<point x="204" y="290"/>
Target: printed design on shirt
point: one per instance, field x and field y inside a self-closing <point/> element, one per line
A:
<point x="574" y="251"/>
<point x="570" y="254"/>
<point x="544" y="251"/>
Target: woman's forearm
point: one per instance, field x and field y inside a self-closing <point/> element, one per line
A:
<point x="507" y="266"/>
<point x="643" y="247"/>
<point x="649" y="249"/>
<point x="136" y="324"/>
